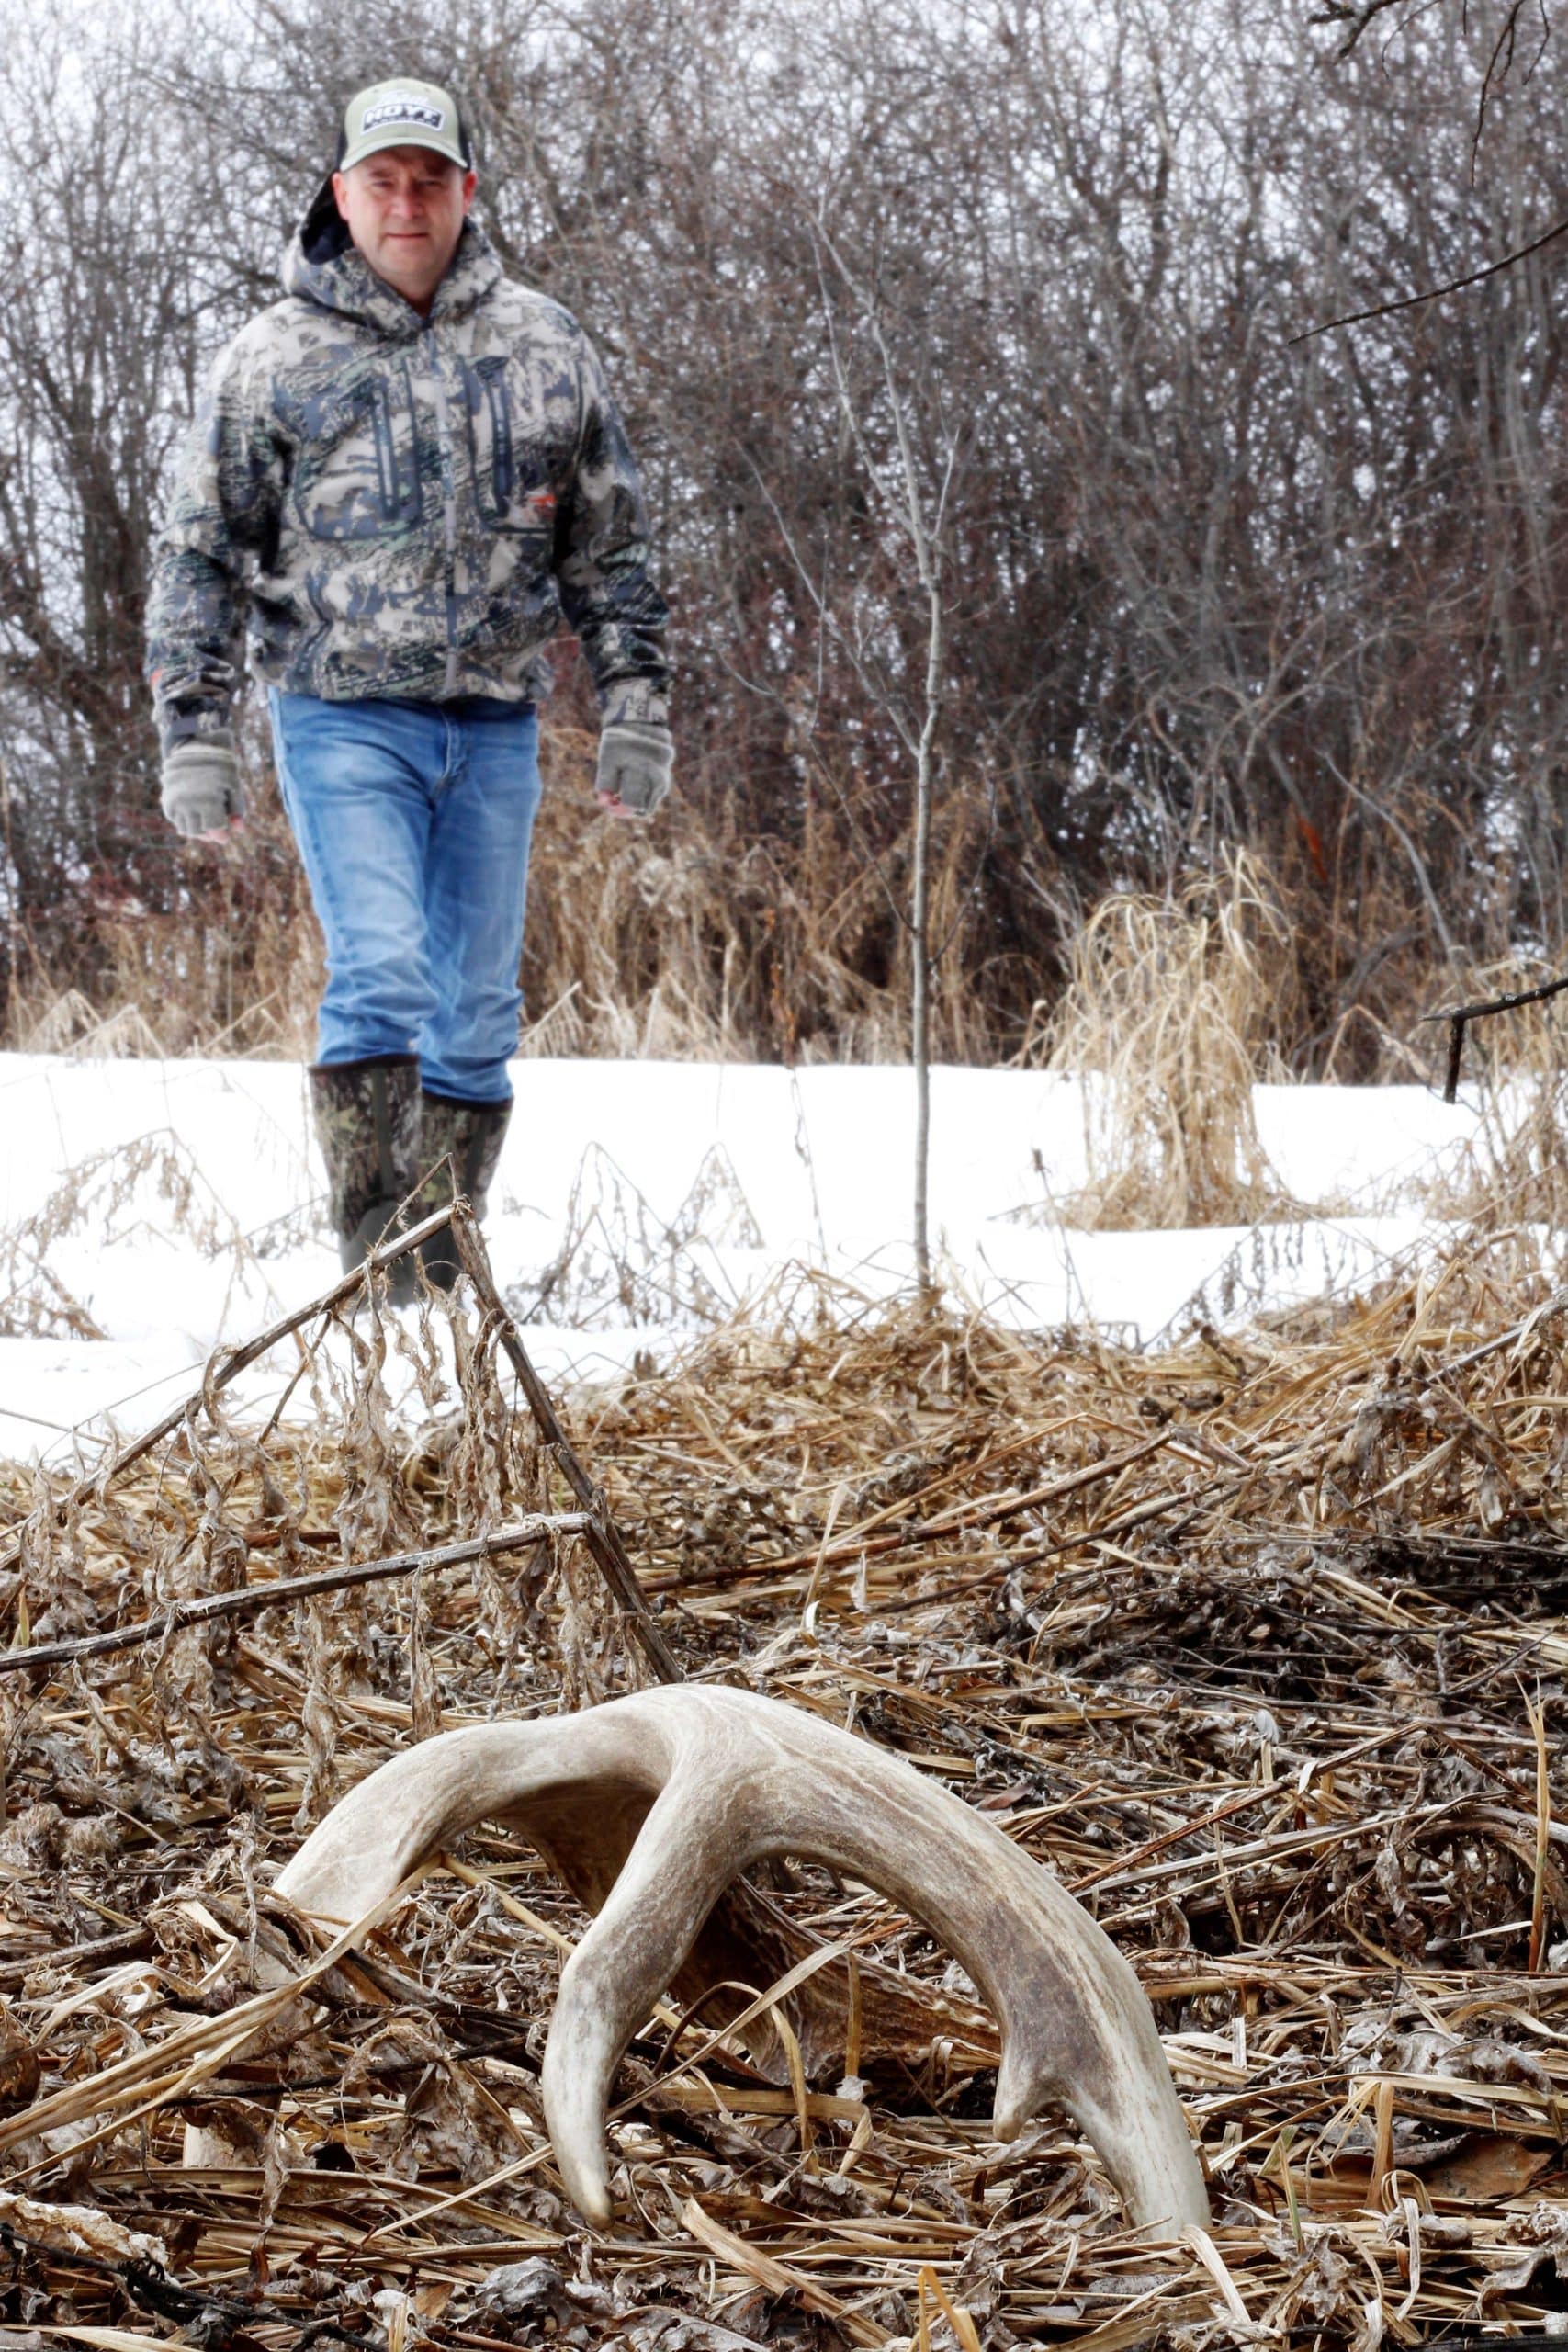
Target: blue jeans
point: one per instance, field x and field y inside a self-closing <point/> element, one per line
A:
<point x="413" y="820"/>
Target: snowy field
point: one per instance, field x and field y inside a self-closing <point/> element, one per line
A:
<point x="153" y="1211"/>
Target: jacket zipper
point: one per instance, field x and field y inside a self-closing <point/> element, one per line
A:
<point x="449" y="516"/>
<point x="500" y="438"/>
<point x="386" y="450"/>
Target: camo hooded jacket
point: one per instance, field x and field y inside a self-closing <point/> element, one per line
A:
<point x="402" y="506"/>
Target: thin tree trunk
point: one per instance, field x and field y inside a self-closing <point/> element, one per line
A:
<point x="919" y="928"/>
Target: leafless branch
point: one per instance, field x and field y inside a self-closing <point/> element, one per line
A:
<point x="1435" y="293"/>
<point x="1459" y="1016"/>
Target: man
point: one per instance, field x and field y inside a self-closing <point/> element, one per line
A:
<point x="402" y="476"/>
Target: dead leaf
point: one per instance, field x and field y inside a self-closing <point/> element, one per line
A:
<point x="1489" y="2168"/>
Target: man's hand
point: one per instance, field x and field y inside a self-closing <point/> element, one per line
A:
<point x="201" y="795"/>
<point x="635" y="765"/>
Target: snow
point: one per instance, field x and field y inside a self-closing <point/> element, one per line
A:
<point x="151" y="1212"/>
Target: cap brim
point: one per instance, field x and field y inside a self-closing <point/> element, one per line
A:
<point x="402" y="134"/>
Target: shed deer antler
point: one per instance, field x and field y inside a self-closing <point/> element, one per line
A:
<point x="650" y="1807"/>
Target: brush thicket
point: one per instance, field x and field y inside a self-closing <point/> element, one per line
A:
<point x="692" y="941"/>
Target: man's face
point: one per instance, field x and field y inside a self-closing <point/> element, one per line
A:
<point x="405" y="209"/>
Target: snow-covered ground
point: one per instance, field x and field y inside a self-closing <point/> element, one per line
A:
<point x="151" y="1211"/>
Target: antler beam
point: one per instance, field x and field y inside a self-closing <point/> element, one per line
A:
<point x="651" y="1807"/>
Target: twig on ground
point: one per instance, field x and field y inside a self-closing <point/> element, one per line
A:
<point x="127" y="1945"/>
<point x="931" y="1531"/>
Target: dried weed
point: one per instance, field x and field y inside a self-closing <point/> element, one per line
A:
<point x="1166" y="1013"/>
<point x="1258" y="1642"/>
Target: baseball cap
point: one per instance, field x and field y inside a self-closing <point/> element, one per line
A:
<point x="402" y="113"/>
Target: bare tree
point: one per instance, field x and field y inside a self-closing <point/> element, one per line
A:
<point x="109" y="299"/>
<point x="1184" y="585"/>
<point x="916" y="509"/>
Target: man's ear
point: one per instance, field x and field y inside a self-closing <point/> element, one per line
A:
<point x="339" y="186"/>
<point x="471" y="181"/>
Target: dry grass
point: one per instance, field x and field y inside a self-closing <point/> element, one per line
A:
<point x="704" y="940"/>
<point x="683" y="945"/>
<point x="236" y="971"/>
<point x="688" y="943"/>
<point x="1167" y="1012"/>
<point x="1276" y="1682"/>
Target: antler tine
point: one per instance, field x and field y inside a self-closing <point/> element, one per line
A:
<point x="681" y="1789"/>
<point x="390" y="1826"/>
<point x="675" y="1872"/>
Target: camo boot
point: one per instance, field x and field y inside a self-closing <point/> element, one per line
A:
<point x="459" y="1145"/>
<point x="368" y="1125"/>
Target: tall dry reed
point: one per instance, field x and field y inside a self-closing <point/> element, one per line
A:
<point x="1169" y="1016"/>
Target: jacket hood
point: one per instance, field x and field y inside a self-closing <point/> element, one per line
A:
<point x="321" y="265"/>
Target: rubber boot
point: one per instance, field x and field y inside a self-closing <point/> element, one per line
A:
<point x="368" y="1125"/>
<point x="459" y="1146"/>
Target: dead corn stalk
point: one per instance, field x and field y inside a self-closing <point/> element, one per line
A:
<point x="593" y="1523"/>
<point x="537" y="1529"/>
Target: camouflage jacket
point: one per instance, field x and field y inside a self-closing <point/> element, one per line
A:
<point x="402" y="506"/>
